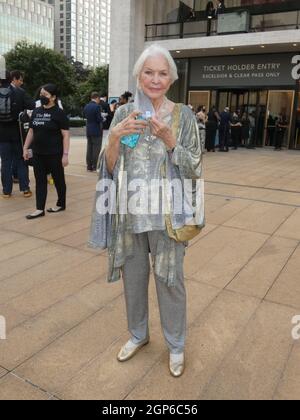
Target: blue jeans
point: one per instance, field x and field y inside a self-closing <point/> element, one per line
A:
<point x="10" y="152"/>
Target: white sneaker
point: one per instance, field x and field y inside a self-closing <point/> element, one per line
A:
<point x="130" y="349"/>
<point x="177" y="364"/>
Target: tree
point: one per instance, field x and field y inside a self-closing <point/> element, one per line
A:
<point x="41" y="65"/>
<point x="96" y="82"/>
<point x="82" y="72"/>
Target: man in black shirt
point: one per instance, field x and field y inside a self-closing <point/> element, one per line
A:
<point x="224" y="130"/>
<point x="106" y="112"/>
<point x="94" y="131"/>
<point x="12" y="102"/>
<point x="17" y="81"/>
<point x="221" y="8"/>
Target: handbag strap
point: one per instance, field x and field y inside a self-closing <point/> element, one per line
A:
<point x="176" y="119"/>
<point x="175" y="128"/>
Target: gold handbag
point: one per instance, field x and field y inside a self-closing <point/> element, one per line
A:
<point x="187" y="232"/>
<point x="184" y="234"/>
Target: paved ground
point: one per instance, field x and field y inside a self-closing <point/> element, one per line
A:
<point x="65" y="324"/>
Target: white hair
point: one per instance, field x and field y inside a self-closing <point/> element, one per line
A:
<point x="154" y="51"/>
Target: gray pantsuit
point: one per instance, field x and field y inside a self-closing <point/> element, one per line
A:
<point x="171" y="300"/>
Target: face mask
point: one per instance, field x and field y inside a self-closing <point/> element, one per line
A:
<point x="44" y="100"/>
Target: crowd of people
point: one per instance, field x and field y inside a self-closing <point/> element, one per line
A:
<point x="236" y="129"/>
<point x="46" y="144"/>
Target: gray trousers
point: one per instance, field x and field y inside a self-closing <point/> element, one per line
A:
<point x="93" y="150"/>
<point x="171" y="300"/>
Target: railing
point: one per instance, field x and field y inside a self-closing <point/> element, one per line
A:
<point x="199" y="28"/>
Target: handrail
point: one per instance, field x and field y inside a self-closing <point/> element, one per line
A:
<point x="183" y="34"/>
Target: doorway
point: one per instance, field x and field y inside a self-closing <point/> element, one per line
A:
<point x="236" y="100"/>
<point x="264" y="105"/>
<point x="253" y="102"/>
<point x="297" y="136"/>
<point x="280" y="102"/>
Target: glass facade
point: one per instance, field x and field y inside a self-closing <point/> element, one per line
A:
<point x="263" y="102"/>
<point x="178" y="90"/>
<point x="29" y="20"/>
<point x="163" y="18"/>
<point x="82" y="30"/>
<point x="297" y="135"/>
<point x="265" y="105"/>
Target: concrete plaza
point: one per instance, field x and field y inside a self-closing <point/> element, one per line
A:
<point x="65" y="324"/>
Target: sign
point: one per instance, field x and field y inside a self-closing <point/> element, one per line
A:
<point x="233" y="22"/>
<point x="243" y="71"/>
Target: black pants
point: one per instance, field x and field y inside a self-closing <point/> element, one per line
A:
<point x="44" y="165"/>
<point x="211" y="133"/>
<point x="279" y="137"/>
<point x="93" y="150"/>
<point x="224" y="138"/>
<point x="236" y="137"/>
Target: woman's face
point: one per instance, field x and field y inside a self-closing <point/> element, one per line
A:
<point x="49" y="96"/>
<point x="155" y="78"/>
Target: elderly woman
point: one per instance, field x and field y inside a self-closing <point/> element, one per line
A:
<point x="168" y="149"/>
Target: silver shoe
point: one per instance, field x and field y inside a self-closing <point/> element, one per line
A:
<point x="130" y="349"/>
<point x="177" y="364"/>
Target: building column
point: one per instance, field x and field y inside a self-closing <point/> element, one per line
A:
<point x="127" y="43"/>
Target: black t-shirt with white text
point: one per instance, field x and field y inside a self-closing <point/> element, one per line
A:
<point x="47" y="125"/>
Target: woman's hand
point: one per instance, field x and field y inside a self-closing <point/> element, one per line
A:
<point x="164" y="132"/>
<point x="129" y="125"/>
<point x="65" y="161"/>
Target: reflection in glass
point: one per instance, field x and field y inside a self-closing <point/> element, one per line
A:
<point x="178" y="90"/>
<point x="274" y="21"/>
<point x="257" y="108"/>
<point x="199" y="98"/>
<point x="297" y="138"/>
<point x="214" y="95"/>
<point x="201" y="4"/>
<point x="223" y="101"/>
